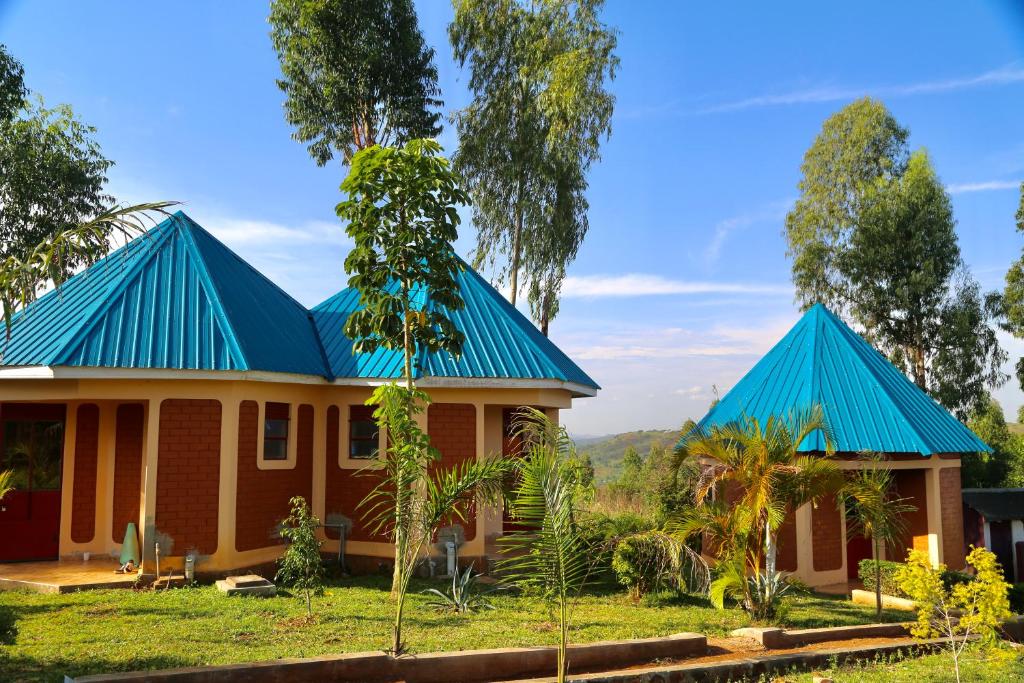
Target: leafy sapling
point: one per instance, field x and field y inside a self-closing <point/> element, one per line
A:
<point x="301" y="566"/>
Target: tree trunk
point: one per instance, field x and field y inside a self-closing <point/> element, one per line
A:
<point x="920" y="374"/>
<point x="309" y="605"/>
<point x="516" y="249"/>
<point x="878" y="581"/>
<point x="770" y="548"/>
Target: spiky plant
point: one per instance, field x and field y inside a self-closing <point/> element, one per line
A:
<point x="548" y="551"/>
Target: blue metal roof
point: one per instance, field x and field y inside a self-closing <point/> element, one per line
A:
<point x="870" y="404"/>
<point x="174" y="298"/>
<point x="500" y="342"/>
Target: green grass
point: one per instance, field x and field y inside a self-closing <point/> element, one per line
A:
<point x="120" y="630"/>
<point x="1002" y="666"/>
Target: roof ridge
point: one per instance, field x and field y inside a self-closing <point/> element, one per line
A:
<point x="242" y="261"/>
<point x="92" y="316"/>
<point x="213" y="292"/>
<point x="897" y="405"/>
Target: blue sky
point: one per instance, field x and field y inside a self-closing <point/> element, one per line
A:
<point x="683" y="281"/>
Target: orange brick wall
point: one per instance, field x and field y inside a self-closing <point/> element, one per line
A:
<point x="452" y="430"/>
<point x="263" y="495"/>
<point x="827" y="535"/>
<point x="951" y="507"/>
<point x="911" y="485"/>
<point x="83" y="499"/>
<point x="188" y="474"/>
<point x="127" y="468"/>
<point x="785" y="554"/>
<point x="346" y="488"/>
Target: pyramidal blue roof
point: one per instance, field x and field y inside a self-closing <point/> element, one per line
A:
<point x="176" y="298"/>
<point x="870" y="404"/>
<point x="500" y="342"/>
<point x="173" y="298"/>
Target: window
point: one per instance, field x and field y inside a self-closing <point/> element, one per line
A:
<point x="363" y="433"/>
<point x="275" y="431"/>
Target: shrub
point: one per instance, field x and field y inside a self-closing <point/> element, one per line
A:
<point x="643" y="562"/>
<point x="301" y="566"/>
<point x="1017" y="598"/>
<point x="8" y="626"/>
<point x="602" y="532"/>
<point x="891" y="586"/>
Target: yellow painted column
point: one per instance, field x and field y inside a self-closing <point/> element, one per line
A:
<point x="147" y="501"/>
<point x="804" y="547"/>
<point x="934" y="492"/>
<point x="103" y="540"/>
<point x="67" y="485"/>
<point x="227" y="492"/>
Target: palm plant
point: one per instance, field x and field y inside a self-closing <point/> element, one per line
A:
<point x="23" y="275"/>
<point x="548" y="552"/>
<point x="409" y="503"/>
<point x="763" y="474"/>
<point x="6" y="483"/>
<point x="874" y="512"/>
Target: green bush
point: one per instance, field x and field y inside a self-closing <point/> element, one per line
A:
<point x="866" y="572"/>
<point x="8" y="626"/>
<point x="1017" y="598"/>
<point x="602" y="532"/>
<point x="643" y="563"/>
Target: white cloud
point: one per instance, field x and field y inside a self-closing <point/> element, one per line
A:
<point x="773" y="211"/>
<point x="1006" y="75"/>
<point x="239" y="231"/>
<point x="639" y="284"/>
<point x="986" y="186"/>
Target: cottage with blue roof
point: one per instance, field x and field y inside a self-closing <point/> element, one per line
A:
<point x="173" y="387"/>
<point x="871" y="407"/>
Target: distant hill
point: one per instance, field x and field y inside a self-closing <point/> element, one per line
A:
<point x="606" y="451"/>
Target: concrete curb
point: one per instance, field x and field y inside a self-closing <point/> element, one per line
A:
<point x="747" y="668"/>
<point x="777" y="639"/>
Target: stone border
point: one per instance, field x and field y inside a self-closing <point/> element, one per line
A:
<point x="470" y="666"/>
<point x="749" y="668"/>
<point x="777" y="639"/>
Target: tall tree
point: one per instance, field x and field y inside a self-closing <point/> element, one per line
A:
<point x="873" y="236"/>
<point x="12" y="85"/>
<point x="534" y="127"/>
<point x="1013" y="294"/>
<point x="356" y="73"/>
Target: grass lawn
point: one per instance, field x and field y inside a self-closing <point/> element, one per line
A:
<point x="1004" y="666"/>
<point x="118" y="630"/>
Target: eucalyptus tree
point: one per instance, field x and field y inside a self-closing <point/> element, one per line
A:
<point x="1013" y="294"/>
<point x="12" y="85"/>
<point x="873" y="236"/>
<point x="539" y="111"/>
<point x="402" y="216"/>
<point x="356" y="73"/>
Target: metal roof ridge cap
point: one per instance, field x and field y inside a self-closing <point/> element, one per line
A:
<point x="91" y="317"/>
<point x="238" y="258"/>
<point x="213" y="292"/>
<point x="888" y="395"/>
<point x="328" y="370"/>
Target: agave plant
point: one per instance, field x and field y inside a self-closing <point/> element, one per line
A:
<point x="465" y="595"/>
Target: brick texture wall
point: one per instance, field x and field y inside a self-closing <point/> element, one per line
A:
<point x="188" y="474"/>
<point x="452" y="430"/>
<point x="127" y="468"/>
<point x="346" y="488"/>
<point x="911" y="485"/>
<point x="83" y="498"/>
<point x="951" y="506"/>
<point x="785" y="554"/>
<point x="827" y="535"/>
<point x="263" y="495"/>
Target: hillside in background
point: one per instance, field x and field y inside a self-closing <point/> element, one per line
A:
<point x="606" y="451"/>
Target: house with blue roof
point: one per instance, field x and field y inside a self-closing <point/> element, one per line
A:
<point x="172" y="387"/>
<point x="871" y="407"/>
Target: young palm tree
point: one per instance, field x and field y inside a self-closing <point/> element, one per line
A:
<point x="549" y="551"/>
<point x="877" y="514"/>
<point x="410" y="503"/>
<point x="6" y="483"/>
<point x="23" y="275"/>
<point x="763" y="474"/>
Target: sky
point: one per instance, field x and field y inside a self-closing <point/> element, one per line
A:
<point x="683" y="281"/>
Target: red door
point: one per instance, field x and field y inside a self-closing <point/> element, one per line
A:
<point x="32" y="446"/>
